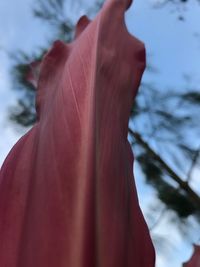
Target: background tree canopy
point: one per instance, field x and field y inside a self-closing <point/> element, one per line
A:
<point x="161" y="117"/>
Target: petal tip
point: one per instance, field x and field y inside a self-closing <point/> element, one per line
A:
<point x="81" y="25"/>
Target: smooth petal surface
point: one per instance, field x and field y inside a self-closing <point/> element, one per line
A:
<point x="67" y="191"/>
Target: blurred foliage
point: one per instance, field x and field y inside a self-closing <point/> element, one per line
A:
<point x="162" y="118"/>
<point x="177" y="6"/>
<point x="176" y="200"/>
<point x="54" y="13"/>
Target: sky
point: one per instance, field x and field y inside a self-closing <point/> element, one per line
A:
<point x="172" y="46"/>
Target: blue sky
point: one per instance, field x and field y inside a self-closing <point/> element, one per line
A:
<point x="171" y="47"/>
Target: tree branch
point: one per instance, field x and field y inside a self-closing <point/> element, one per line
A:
<point x="183" y="184"/>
